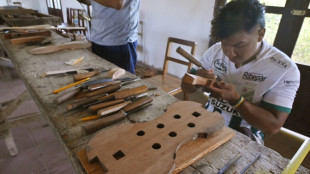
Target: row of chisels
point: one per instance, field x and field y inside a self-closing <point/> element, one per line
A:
<point x="107" y="100"/>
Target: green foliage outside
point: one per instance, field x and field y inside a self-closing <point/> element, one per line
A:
<point x="301" y="52"/>
<point x="302" y="47"/>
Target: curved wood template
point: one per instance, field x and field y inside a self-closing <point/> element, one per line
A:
<point x="151" y="147"/>
<point x="55" y="48"/>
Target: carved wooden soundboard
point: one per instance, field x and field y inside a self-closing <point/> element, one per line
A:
<point x="162" y="145"/>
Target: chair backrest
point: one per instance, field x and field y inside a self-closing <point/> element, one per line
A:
<point x="168" y="58"/>
<point x="76" y="14"/>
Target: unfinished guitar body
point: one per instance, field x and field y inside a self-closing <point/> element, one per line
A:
<point x="151" y="147"/>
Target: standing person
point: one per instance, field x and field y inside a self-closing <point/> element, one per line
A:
<point x="258" y="82"/>
<point x="114" y="31"/>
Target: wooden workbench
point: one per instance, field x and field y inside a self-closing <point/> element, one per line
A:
<point x="68" y="130"/>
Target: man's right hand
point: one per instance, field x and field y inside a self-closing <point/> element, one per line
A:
<point x="86" y="2"/>
<point x="206" y="73"/>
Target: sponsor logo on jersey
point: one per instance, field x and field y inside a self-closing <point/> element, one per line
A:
<point x="253" y="77"/>
<point x="278" y="62"/>
<point x="220" y="65"/>
<point x="224" y="106"/>
<point x="291" y="82"/>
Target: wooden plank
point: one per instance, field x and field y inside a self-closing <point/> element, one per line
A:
<point x="55" y="48"/>
<point x="15" y="35"/>
<point x="150" y="147"/>
<point x="186" y="155"/>
<point x="16" y="11"/>
<point x="28" y="39"/>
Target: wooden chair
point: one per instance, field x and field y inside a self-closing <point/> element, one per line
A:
<point x="169" y="83"/>
<point x="72" y="15"/>
<point x="6" y="124"/>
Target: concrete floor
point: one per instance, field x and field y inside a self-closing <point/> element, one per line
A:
<point x="38" y="149"/>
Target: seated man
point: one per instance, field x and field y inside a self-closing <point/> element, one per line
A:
<point x="258" y="82"/>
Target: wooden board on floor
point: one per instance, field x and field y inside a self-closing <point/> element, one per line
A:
<point x="186" y="155"/>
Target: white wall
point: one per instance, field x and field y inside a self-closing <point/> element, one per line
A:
<point x="39" y="5"/>
<point x="190" y="20"/>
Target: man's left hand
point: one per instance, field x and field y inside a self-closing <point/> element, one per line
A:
<point x="224" y="91"/>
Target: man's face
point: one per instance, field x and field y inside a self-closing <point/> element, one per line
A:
<point x="241" y="46"/>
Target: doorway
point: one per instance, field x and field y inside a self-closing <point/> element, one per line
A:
<point x="54" y="8"/>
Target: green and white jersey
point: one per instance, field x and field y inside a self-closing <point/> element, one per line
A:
<point x="270" y="80"/>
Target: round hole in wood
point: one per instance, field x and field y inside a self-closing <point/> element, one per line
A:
<point x="140" y="133"/>
<point x="191" y="125"/>
<point x="172" y="134"/>
<point x="177" y="116"/>
<point x="156" y="146"/>
<point x="160" y="125"/>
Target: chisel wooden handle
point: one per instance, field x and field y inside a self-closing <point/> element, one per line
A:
<point x="95" y="108"/>
<point x="101" y="85"/>
<point x="86" y="75"/>
<point x="107" y="89"/>
<point x="112" y="109"/>
<point x="107" y="121"/>
<point x="81" y="102"/>
<point x="189" y="57"/>
<point x="131" y="92"/>
<point x="62" y="98"/>
<point x="103" y="122"/>
<point x="137" y="104"/>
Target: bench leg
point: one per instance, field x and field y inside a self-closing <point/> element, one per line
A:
<point x="10" y="143"/>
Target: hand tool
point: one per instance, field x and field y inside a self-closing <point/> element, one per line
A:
<point x="86" y="102"/>
<point x="106" y="121"/>
<point x="130" y="94"/>
<point x="101" y="85"/>
<point x="93" y="82"/>
<point x="192" y="59"/>
<point x="189" y="57"/>
<point x="69" y="86"/>
<point x="246" y="167"/>
<point x="95" y="108"/>
<point x="78" y="103"/>
<point x="108" y="89"/>
<point x="62" y="98"/>
<point x="89" y="74"/>
<point x="68" y="71"/>
<point x="112" y="109"/>
<point x="229" y="164"/>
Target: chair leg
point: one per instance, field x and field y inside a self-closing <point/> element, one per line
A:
<point x="185" y="96"/>
<point x="9" y="141"/>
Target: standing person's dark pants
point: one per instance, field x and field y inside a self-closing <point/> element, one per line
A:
<point x="124" y="56"/>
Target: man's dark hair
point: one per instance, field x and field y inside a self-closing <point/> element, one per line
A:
<point x="238" y="15"/>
